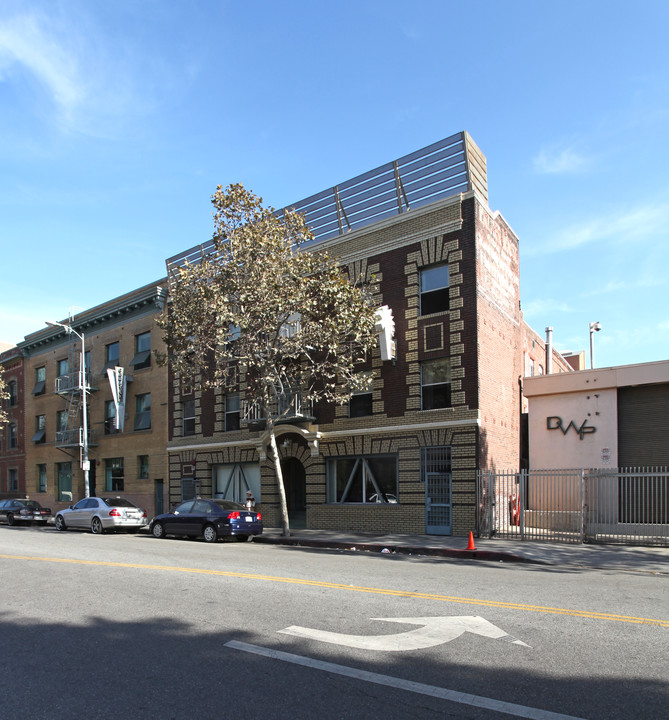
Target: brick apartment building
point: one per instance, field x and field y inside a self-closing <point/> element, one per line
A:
<point x="404" y="456"/>
<point x="129" y="460"/>
<point x="12" y="433"/>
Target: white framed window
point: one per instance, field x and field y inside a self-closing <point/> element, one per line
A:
<point x="232" y="416"/>
<point x="41" y="477"/>
<point x="142" y="357"/>
<point x="434" y="289"/>
<point x="114" y="477"/>
<point x="143" y="411"/>
<point x="143" y="466"/>
<point x="436" y="383"/>
<point x="40" y="380"/>
<point x="361" y="403"/>
<point x="188" y="420"/>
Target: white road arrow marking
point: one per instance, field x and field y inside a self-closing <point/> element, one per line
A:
<point x="433" y="631"/>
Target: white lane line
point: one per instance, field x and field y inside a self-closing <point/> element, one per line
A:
<point x="451" y="695"/>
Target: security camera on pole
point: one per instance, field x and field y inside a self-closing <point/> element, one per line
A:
<point x="594" y="327"/>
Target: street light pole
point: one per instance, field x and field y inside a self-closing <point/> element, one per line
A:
<point x="83" y="387"/>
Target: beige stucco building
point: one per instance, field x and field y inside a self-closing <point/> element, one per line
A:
<point x="604" y="418"/>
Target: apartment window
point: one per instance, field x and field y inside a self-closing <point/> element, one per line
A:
<point x="40" y="429"/>
<point x="360" y="403"/>
<point x="434" y="283"/>
<point x="12" y="436"/>
<point x="143" y="466"/>
<point x="13" y="398"/>
<point x="143" y="411"/>
<point x="436" y="384"/>
<point x="231" y="412"/>
<point x="41" y="478"/>
<point x="114" y="475"/>
<point x="61" y="421"/>
<point x="110" y="417"/>
<point x="111" y="356"/>
<point x="12" y="479"/>
<point x="142" y="357"/>
<point x="63" y="367"/>
<point x="362" y="479"/>
<point x="188" y="418"/>
<point x="40" y="380"/>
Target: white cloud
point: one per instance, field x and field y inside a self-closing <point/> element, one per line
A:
<point x="614" y="286"/>
<point x="96" y="82"/>
<point x="544" y="306"/>
<point x="26" y="42"/>
<point x="644" y="222"/>
<point x="560" y="162"/>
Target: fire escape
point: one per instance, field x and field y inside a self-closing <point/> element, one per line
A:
<point x="73" y="387"/>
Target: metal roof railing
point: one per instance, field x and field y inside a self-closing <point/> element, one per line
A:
<point x="445" y="168"/>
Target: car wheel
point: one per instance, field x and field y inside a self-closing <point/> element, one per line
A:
<point x="96" y="526"/>
<point x="60" y="523"/>
<point x="10" y="519"/>
<point x="158" y="530"/>
<point x="209" y="534"/>
<point x="242" y="538"/>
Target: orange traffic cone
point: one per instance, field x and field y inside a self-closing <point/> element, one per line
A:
<point x="471" y="545"/>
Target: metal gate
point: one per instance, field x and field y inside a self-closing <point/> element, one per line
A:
<point x="436" y="473"/>
<point x="618" y="505"/>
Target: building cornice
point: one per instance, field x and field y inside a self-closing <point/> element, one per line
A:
<point x="332" y="434"/>
<point x="152" y="294"/>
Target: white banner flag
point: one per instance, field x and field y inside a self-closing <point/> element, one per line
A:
<point x="119" y="384"/>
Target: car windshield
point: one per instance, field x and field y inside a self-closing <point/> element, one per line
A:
<point x="229" y="505"/>
<point x="118" y="502"/>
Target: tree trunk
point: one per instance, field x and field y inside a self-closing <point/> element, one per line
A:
<point x="285" y="526"/>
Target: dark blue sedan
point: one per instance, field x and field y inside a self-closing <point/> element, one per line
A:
<point x="210" y="519"/>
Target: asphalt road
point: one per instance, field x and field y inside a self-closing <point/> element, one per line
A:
<point x="118" y="626"/>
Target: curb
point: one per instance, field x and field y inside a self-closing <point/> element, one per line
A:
<point x="488" y="555"/>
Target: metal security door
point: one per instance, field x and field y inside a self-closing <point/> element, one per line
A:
<point x="438" y="503"/>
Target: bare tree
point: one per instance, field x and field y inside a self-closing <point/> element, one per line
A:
<point x="257" y="306"/>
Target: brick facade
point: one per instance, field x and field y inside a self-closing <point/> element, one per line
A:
<point x="481" y="335"/>
<point x="119" y="321"/>
<point x="13" y="432"/>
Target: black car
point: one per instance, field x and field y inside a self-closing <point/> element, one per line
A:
<point x="16" y="511"/>
<point x="210" y="519"/>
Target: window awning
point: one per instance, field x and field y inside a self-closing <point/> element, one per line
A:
<point x="141" y="357"/>
<point x="39" y="387"/>
<point x="38" y="436"/>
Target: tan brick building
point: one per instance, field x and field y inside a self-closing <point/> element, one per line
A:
<point x="128" y="461"/>
<point x="404" y="457"/>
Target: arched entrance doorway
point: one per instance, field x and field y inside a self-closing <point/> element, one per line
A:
<point x="295" y="484"/>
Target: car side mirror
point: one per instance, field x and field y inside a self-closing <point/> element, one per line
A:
<point x="71" y="507"/>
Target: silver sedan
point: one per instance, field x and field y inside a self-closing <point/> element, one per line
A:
<point x="101" y="514"/>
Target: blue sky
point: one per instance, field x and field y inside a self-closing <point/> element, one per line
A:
<point x="118" y="120"/>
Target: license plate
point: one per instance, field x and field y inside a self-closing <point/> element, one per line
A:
<point x="248" y="519"/>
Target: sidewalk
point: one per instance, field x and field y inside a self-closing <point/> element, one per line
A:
<point x="613" y="557"/>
